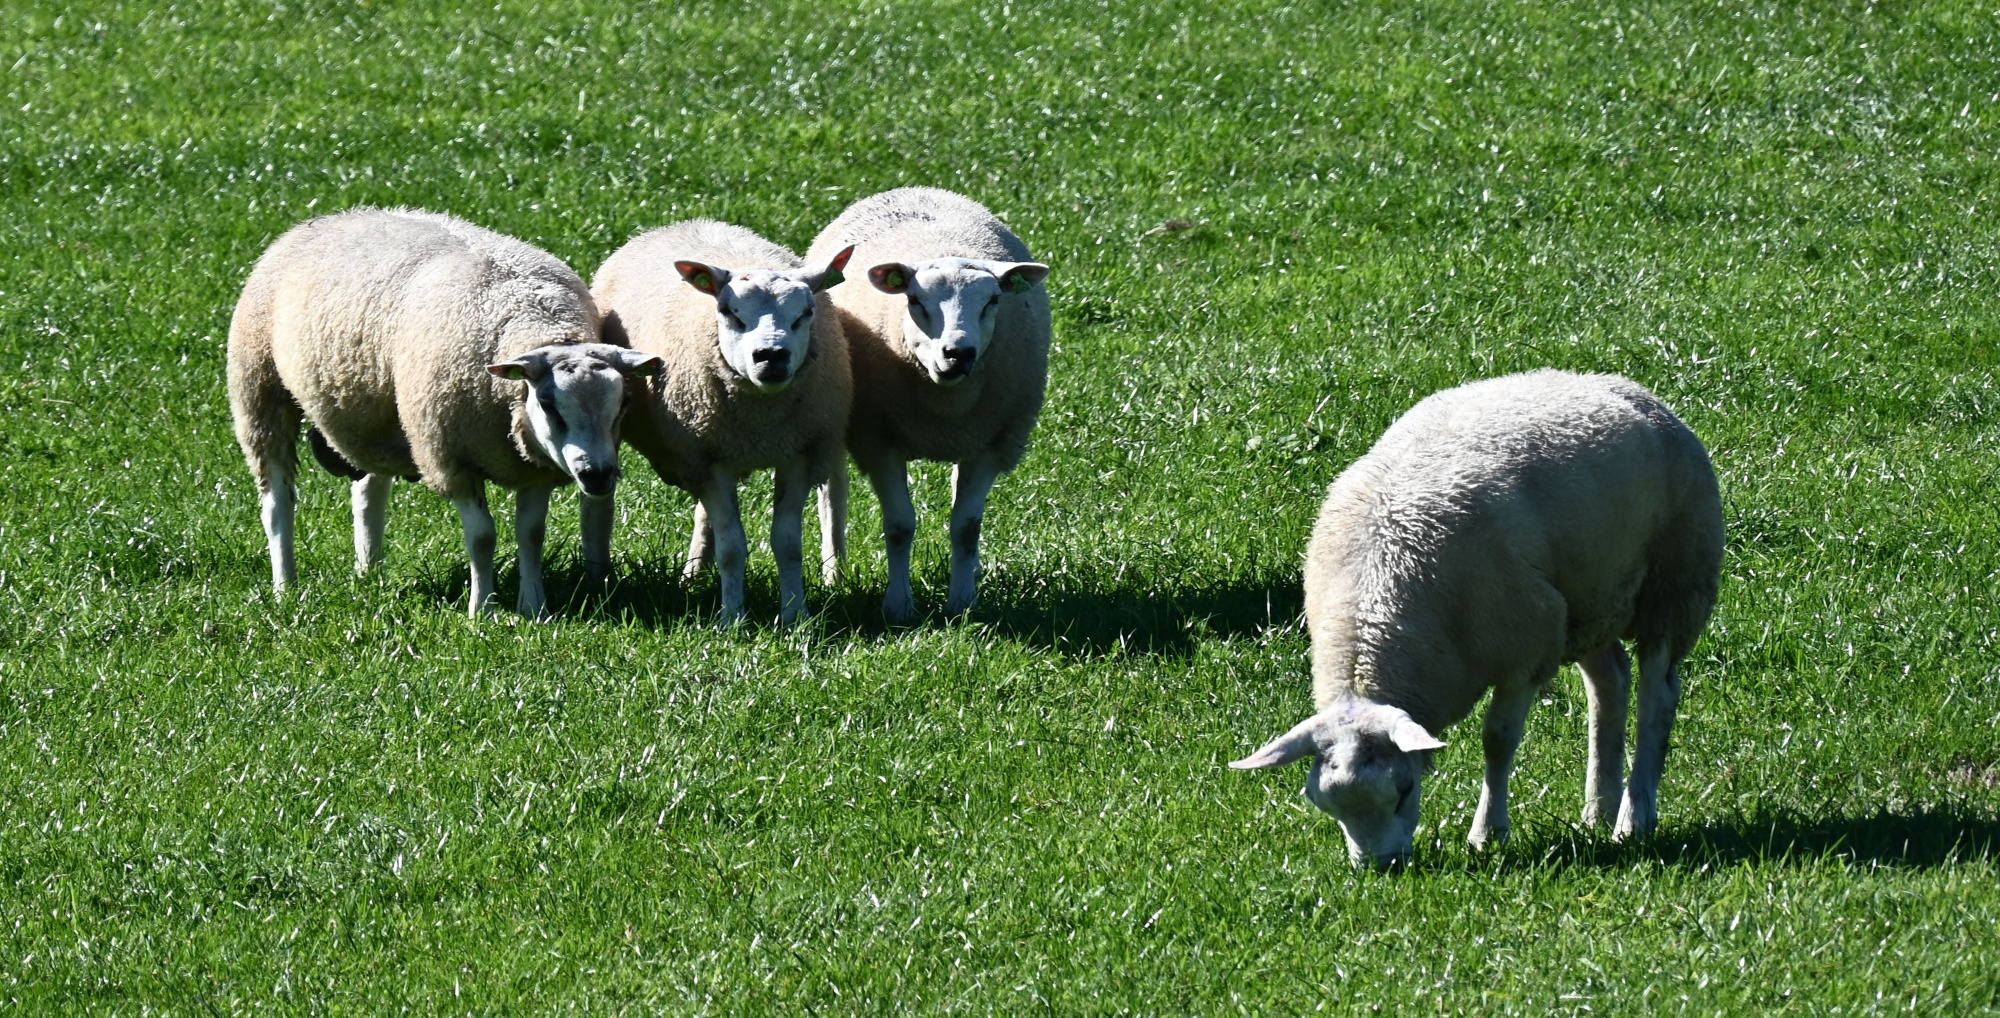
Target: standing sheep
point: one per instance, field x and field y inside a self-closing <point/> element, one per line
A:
<point x="1494" y="533"/>
<point x="950" y="341"/>
<point x="393" y="330"/>
<point x="759" y="380"/>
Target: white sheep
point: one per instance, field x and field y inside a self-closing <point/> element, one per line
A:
<point x="758" y="379"/>
<point x="950" y="340"/>
<point x="401" y="333"/>
<point x="1494" y="533"/>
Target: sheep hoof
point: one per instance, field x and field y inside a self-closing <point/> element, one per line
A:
<point x="1488" y="840"/>
<point x="899" y="610"/>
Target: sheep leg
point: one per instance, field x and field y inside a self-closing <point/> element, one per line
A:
<point x="1608" y="682"/>
<point x="531" y="531"/>
<point x="890" y="477"/>
<point x="833" y="524"/>
<point x="371" y="511"/>
<point x="971" y="481"/>
<point x="599" y="517"/>
<point x="731" y="548"/>
<point x="1506" y="722"/>
<point x="279" y="500"/>
<point x="1659" y="698"/>
<point x="788" y="545"/>
<point x="701" y="547"/>
<point x="479" y="538"/>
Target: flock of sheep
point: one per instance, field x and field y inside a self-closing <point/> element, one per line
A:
<point x="1494" y="533"/>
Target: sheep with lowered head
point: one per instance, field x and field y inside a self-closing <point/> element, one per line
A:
<point x="423" y="346"/>
<point x="758" y="379"/>
<point x="950" y="339"/>
<point x="1494" y="533"/>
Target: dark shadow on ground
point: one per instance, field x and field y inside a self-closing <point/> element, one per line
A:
<point x="1071" y="619"/>
<point x="1924" y="838"/>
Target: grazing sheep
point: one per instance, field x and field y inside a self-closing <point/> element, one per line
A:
<point x="1494" y="533"/>
<point x="393" y="330"/>
<point x="950" y="340"/>
<point x="759" y="379"/>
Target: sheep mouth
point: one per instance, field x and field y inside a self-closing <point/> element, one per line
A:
<point x="951" y="374"/>
<point x="770" y="379"/>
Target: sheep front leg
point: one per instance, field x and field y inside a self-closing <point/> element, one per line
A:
<point x="371" y="510"/>
<point x="972" y="481"/>
<point x="479" y="538"/>
<point x="833" y="524"/>
<point x="531" y="530"/>
<point x="599" y="517"/>
<point x="1506" y="722"/>
<point x="1608" y="682"/>
<point x="1659" y="698"/>
<point x="890" y="477"/>
<point x="701" y="547"/>
<point x="731" y="548"/>
<point x="788" y="527"/>
<point x="279" y="501"/>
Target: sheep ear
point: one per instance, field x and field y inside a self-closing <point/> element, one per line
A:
<point x="831" y="275"/>
<point x="891" y="277"/>
<point x="1301" y="741"/>
<point x="1411" y="737"/>
<point x="638" y="364"/>
<point x="1020" y="277"/>
<point x="706" y="278"/>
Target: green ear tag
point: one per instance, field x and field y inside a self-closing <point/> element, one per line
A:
<point x="703" y="281"/>
<point x="895" y="279"/>
<point x="832" y="278"/>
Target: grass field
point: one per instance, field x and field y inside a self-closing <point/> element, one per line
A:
<point x="355" y="801"/>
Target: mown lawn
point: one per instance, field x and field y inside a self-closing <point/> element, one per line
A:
<point x="1274" y="227"/>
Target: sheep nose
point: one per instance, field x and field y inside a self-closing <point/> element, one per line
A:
<point x="597" y="481"/>
<point x="772" y="356"/>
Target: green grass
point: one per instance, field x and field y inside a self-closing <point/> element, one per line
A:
<point x="355" y="801"/>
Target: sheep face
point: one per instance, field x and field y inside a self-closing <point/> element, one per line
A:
<point x="763" y="317"/>
<point x="1368" y="763"/>
<point x="576" y="398"/>
<point x="954" y="303"/>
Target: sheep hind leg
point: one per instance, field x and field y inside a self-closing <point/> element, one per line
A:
<point x="370" y="495"/>
<point x="833" y="524"/>
<point x="531" y="531"/>
<point x="701" y="547"/>
<point x="599" y="516"/>
<point x="972" y="482"/>
<point x="1506" y="723"/>
<point x="279" y="500"/>
<point x="788" y="545"/>
<point x="1659" y="698"/>
<point x="1608" y="683"/>
<point x="890" y="477"/>
<point x="480" y="534"/>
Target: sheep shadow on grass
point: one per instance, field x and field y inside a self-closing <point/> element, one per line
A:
<point x="1921" y="839"/>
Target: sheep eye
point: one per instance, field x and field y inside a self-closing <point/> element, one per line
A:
<point x="803" y="319"/>
<point x="993" y="303"/>
<point x="549" y="408"/>
<point x="916" y="308"/>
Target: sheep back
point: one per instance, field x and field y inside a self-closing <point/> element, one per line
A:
<point x="701" y="415"/>
<point x="896" y="406"/>
<point x="380" y="323"/>
<point x="1503" y="528"/>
